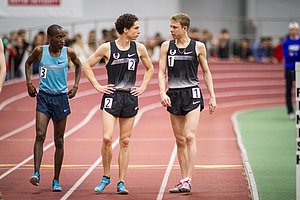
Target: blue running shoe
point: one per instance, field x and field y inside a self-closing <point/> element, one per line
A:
<point x="121" y="188"/>
<point x="35" y="179"/>
<point x="104" y="182"/>
<point x="56" y="186"/>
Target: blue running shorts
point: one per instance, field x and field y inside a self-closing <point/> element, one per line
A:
<point x="55" y="106"/>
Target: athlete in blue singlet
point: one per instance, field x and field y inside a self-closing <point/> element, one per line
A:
<point x="53" y="96"/>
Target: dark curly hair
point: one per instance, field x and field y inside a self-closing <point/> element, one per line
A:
<point x="125" y="21"/>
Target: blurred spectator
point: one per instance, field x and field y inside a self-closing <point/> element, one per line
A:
<point x="68" y="40"/>
<point x="23" y="34"/>
<point x="13" y="37"/>
<point x="195" y="34"/>
<point x="104" y="36"/>
<point x="113" y="34"/>
<point x="92" y="41"/>
<point x="39" y="40"/>
<point x="210" y="43"/>
<point x="243" y="51"/>
<point x="278" y="51"/>
<point x="7" y="48"/>
<point x="19" y="51"/>
<point x="43" y="35"/>
<point x="251" y="31"/>
<point x="153" y="46"/>
<point x="264" y="51"/>
<point x="108" y="35"/>
<point x="81" y="49"/>
<point x="224" y="45"/>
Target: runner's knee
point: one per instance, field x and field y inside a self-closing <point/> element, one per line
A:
<point x="181" y="141"/>
<point x="40" y="136"/>
<point x="107" y="141"/>
<point x="59" y="142"/>
<point x="190" y="138"/>
<point x="124" y="143"/>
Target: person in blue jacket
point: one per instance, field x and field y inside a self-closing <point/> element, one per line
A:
<point x="291" y="52"/>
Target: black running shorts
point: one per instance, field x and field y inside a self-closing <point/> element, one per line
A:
<point x="184" y="100"/>
<point x="120" y="104"/>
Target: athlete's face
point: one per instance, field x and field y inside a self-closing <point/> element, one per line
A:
<point x="177" y="31"/>
<point x="134" y="31"/>
<point x="57" y="39"/>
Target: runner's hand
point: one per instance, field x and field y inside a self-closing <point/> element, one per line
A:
<point x="165" y="100"/>
<point x="137" y="91"/>
<point x="72" y="92"/>
<point x="106" y="89"/>
<point x="31" y="90"/>
<point x="212" y="105"/>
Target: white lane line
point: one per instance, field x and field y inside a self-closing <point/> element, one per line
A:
<point x="31" y="123"/>
<point x="68" y="133"/>
<point x="167" y="174"/>
<point x="87" y="173"/>
<point x="15" y="131"/>
<point x="13" y="99"/>
<point x="99" y="160"/>
<point x="247" y="166"/>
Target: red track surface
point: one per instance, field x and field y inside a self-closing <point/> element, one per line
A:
<point x="219" y="172"/>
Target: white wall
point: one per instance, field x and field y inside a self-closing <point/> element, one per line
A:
<point x="214" y="14"/>
<point x="101" y="14"/>
<point x="271" y="17"/>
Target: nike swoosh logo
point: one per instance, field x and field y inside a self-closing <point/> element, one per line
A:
<point x="130" y="55"/>
<point x="60" y="62"/>
<point x="196" y="102"/>
<point x="65" y="110"/>
<point x="189" y="52"/>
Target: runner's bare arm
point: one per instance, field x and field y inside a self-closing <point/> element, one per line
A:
<point x="143" y="54"/>
<point x="36" y="54"/>
<point x="201" y="50"/>
<point x="165" y="100"/>
<point x="72" y="55"/>
<point x="103" y="51"/>
<point x="2" y="65"/>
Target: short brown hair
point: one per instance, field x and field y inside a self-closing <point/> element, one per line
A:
<point x="182" y="18"/>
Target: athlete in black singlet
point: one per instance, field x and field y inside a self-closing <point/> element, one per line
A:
<point x="120" y="99"/>
<point x="184" y="101"/>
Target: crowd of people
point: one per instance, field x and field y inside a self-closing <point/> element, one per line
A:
<point x="219" y="47"/>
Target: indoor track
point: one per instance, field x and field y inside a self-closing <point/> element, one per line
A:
<point x="153" y="167"/>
